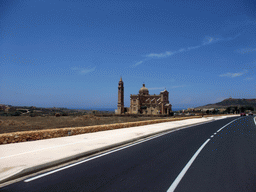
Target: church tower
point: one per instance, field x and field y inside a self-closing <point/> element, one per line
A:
<point x="120" y="104"/>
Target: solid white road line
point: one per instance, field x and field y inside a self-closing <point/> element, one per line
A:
<point x="72" y="165"/>
<point x="59" y="146"/>
<point x="185" y="169"/>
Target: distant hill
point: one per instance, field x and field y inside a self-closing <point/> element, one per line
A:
<point x="232" y="102"/>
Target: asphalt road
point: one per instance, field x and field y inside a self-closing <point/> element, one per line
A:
<point x="225" y="163"/>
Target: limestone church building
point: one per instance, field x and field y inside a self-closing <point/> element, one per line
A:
<point x="144" y="103"/>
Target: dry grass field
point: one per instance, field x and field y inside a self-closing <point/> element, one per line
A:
<point x="26" y="123"/>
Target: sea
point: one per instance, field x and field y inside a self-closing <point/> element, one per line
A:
<point x="113" y="109"/>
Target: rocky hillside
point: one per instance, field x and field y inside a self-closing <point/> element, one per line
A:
<point x="232" y="102"/>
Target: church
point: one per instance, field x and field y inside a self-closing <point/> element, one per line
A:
<point x="143" y="103"/>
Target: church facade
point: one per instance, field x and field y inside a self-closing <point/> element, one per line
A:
<point x="144" y="103"/>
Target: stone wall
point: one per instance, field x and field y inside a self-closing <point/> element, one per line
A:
<point x="62" y="132"/>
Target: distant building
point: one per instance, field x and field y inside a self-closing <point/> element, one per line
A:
<point x="190" y="109"/>
<point x="144" y="103"/>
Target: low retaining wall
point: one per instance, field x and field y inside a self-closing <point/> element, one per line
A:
<point x="62" y="132"/>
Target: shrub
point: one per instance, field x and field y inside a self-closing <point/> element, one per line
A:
<point x="17" y="113"/>
<point x="57" y="115"/>
<point x="32" y="115"/>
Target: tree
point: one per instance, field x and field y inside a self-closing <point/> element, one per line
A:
<point x="249" y="108"/>
<point x="215" y="111"/>
<point x="228" y="109"/>
<point x="16" y="113"/>
<point x="242" y="109"/>
<point x="236" y="109"/>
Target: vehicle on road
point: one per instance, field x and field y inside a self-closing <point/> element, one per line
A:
<point x="250" y="113"/>
<point x="242" y="114"/>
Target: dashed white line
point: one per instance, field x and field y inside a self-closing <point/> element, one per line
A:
<point x="72" y="165"/>
<point x="185" y="169"/>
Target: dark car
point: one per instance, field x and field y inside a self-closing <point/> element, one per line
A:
<point x="242" y="114"/>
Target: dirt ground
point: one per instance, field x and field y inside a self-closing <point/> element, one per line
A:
<point x="26" y="123"/>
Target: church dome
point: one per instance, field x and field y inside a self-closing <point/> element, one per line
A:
<point x="143" y="90"/>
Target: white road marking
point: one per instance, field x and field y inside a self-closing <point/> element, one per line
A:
<point x="185" y="169"/>
<point x="228" y="124"/>
<point x="50" y="148"/>
<point x="66" y="167"/>
<point x="62" y="146"/>
<point x="72" y="165"/>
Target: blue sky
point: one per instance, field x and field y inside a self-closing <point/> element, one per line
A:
<point x="72" y="53"/>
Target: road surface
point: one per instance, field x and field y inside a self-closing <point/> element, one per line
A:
<point x="216" y="156"/>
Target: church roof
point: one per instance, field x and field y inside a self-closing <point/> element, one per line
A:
<point x="143" y="89"/>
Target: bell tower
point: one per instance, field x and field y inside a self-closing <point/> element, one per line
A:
<point x="120" y="104"/>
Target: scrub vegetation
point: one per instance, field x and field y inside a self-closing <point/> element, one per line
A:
<point x="10" y="124"/>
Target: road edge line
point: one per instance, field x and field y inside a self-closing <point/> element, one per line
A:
<point x="30" y="170"/>
<point x="120" y="146"/>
